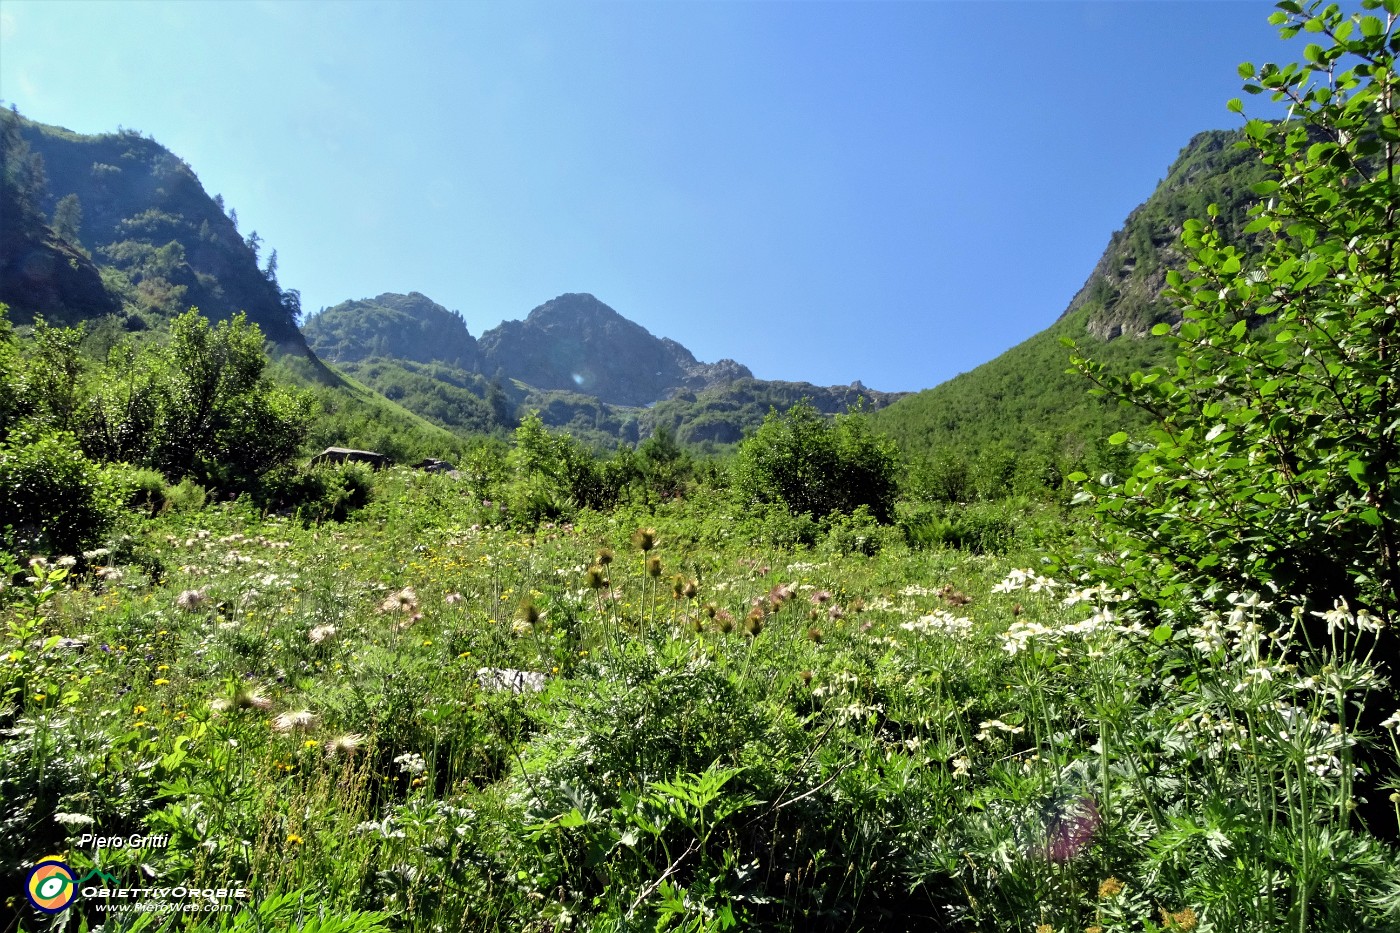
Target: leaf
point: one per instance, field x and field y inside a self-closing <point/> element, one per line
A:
<point x="1118" y="438"/>
<point x="572" y="819"/>
<point x="1246" y="69"/>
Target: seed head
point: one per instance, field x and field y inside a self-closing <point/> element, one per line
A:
<point x="653" y="567"/>
<point x="603" y="557"/>
<point x="190" y="600"/>
<point x="597" y="578"/>
<point x="344" y="745"/>
<point x="293" y="720"/>
<point x="244" y="698"/>
<point x="644" y="539"/>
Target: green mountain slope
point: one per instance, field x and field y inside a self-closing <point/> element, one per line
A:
<point x="41" y="272"/>
<point x="1024" y="400"/>
<point x="408" y="327"/>
<point x="163" y="244"/>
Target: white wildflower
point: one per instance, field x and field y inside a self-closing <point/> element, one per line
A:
<point x="939" y="622"/>
<point x="1015" y="580"/>
<point x="1018" y="636"/>
<point x="411" y="763"/>
<point x="988" y="725"/>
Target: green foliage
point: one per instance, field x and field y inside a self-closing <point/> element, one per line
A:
<point x="50" y="385"/>
<point x="10" y="374"/>
<point x="327" y="492"/>
<point x="462" y="402"/>
<point x="52" y="498"/>
<point x="198" y="406"/>
<point x="552" y="475"/>
<point x="1272" y="458"/>
<point x="68" y="218"/>
<point x="137" y="488"/>
<point x="816" y="467"/>
<point x="185" y="496"/>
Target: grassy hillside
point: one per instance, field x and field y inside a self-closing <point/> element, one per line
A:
<point x="1024" y="400"/>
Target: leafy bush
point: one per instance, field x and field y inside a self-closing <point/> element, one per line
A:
<point x="53" y="499"/>
<point x="857" y="533"/>
<point x="329" y="492"/>
<point x="816" y="467"/>
<point x="185" y="496"/>
<point x="198" y="407"/>
<point x="1271" y="465"/>
<point x="1272" y="459"/>
<point x="137" y="487"/>
<point x="552" y="475"/>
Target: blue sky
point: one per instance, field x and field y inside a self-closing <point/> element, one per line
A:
<point x="890" y="192"/>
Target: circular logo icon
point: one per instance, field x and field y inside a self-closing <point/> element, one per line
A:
<point x="50" y="886"/>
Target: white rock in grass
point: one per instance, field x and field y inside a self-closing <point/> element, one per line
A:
<point x="505" y="678"/>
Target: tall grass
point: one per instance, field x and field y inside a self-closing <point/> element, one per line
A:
<point x="752" y="738"/>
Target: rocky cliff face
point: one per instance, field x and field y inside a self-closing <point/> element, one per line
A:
<point x="43" y="274"/>
<point x="407" y="327"/>
<point x="576" y="342"/>
<point x="1124" y="293"/>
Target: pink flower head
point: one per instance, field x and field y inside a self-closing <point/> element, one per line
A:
<point x="1070" y="830"/>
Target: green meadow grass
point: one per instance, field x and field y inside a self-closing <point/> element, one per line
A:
<point x="729" y="735"/>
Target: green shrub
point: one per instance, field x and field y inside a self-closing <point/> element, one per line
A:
<point x="816" y="467"/>
<point x="978" y="527"/>
<point x="773" y="526"/>
<point x="200" y="406"/>
<point x="325" y="493"/>
<point x="53" y="499"/>
<point x="857" y="533"/>
<point x="136" y="487"/>
<point x="185" y="496"/>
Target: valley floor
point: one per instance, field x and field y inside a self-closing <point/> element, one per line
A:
<point x="421" y="720"/>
